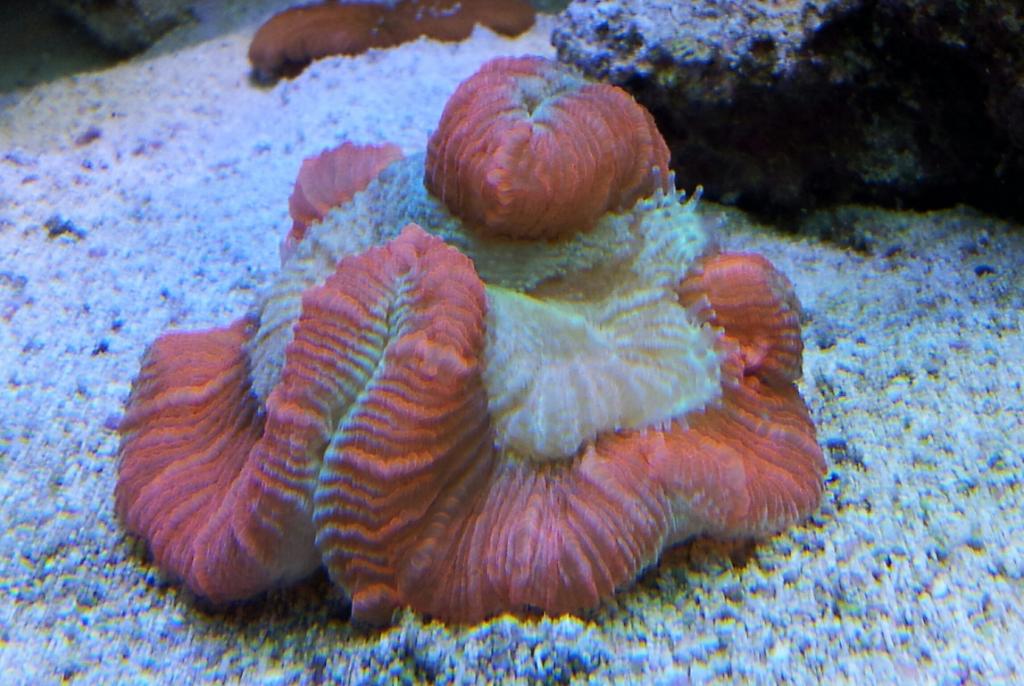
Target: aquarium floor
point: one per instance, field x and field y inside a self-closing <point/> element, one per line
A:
<point x="154" y="194"/>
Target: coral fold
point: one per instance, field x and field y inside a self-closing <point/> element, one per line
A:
<point x="756" y="305"/>
<point x="751" y="465"/>
<point x="554" y="538"/>
<point x="189" y="472"/>
<point x="403" y="328"/>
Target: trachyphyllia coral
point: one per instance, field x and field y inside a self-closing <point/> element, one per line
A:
<point x="469" y="421"/>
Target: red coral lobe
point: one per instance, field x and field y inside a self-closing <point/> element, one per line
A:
<point x="756" y="305"/>
<point x="527" y="149"/>
<point x="402" y="323"/>
<point x="187" y="481"/>
<point x="750" y="465"/>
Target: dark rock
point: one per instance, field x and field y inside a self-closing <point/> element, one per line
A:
<point x="59" y="227"/>
<point x="549" y="6"/>
<point x="126" y="26"/>
<point x="781" y="106"/>
<point x="88" y="136"/>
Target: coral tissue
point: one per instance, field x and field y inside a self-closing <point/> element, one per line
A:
<point x="291" y="39"/>
<point x="503" y="375"/>
<point x="331" y="179"/>
<point x="507" y="155"/>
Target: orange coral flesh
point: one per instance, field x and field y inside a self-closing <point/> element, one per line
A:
<point x="557" y="538"/>
<point x="329" y="180"/>
<point x="186" y="482"/>
<point x="756" y="305"/>
<point x="527" y="149"/>
<point x="751" y="465"/>
<point x="386" y="360"/>
<point x="748" y="468"/>
<point x="291" y="39"/>
<point x="560" y="537"/>
<point x="404" y="323"/>
<point x="376" y="441"/>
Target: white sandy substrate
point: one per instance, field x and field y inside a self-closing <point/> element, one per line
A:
<point x="911" y="571"/>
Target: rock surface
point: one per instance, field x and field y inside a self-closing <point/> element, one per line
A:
<point x="126" y="26"/>
<point x="780" y="106"/>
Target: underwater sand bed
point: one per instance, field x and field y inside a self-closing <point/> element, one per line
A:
<point x="171" y="217"/>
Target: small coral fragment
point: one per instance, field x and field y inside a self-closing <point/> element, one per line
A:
<point x="329" y="180"/>
<point x="291" y="39"/>
<point x="527" y="149"/>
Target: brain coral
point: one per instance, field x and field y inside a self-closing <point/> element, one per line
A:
<point x="467" y="423"/>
